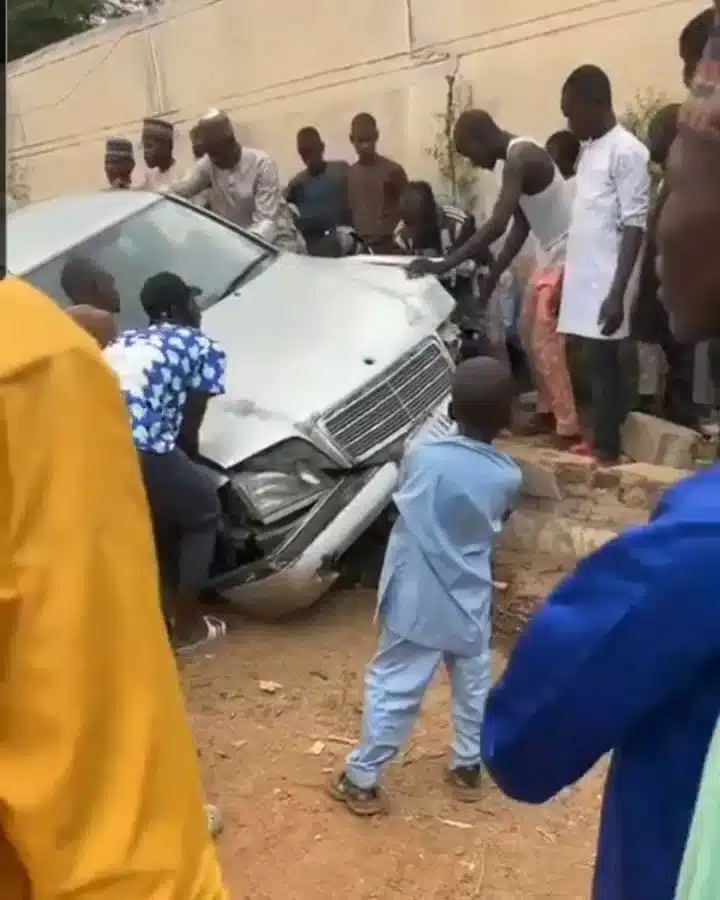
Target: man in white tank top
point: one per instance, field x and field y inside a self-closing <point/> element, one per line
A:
<point x="535" y="198"/>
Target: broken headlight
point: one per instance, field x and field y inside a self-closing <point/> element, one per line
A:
<point x="283" y="480"/>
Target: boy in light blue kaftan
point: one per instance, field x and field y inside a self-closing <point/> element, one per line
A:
<point x="435" y="593"/>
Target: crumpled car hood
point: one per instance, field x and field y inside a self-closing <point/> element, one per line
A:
<point x="302" y="336"/>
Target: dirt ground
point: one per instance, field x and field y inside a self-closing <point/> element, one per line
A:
<point x="268" y="756"/>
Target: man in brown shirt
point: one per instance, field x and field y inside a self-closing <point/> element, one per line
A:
<point x="375" y="184"/>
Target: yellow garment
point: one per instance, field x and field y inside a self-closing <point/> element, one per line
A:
<point x="100" y="794"/>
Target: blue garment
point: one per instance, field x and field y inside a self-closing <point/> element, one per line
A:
<point x="511" y="305"/>
<point x="395" y="683"/>
<point x="321" y="199"/>
<point x="623" y="656"/>
<point x="436" y="584"/>
<point x="157" y="367"/>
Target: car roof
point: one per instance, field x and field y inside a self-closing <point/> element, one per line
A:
<point x="41" y="231"/>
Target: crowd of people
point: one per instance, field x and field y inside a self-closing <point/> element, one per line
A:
<point x="624" y="656"/>
<point x="557" y="200"/>
<point x="100" y="793"/>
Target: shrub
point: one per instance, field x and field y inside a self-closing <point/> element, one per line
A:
<point x="458" y="178"/>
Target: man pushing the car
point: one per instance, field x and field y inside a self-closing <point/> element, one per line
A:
<point x="168" y="371"/>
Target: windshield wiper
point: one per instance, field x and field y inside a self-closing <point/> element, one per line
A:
<point x="238" y="280"/>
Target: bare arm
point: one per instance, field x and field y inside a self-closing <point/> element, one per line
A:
<point x="193" y="182"/>
<point x="398" y="181"/>
<point x="468" y="229"/>
<point x="293" y="189"/>
<point x="495" y="226"/>
<point x="208" y="380"/>
<point x="346" y="214"/>
<point x="630" y="246"/>
<point x="648" y="273"/>
<point x="513" y="244"/>
<point x="193" y="415"/>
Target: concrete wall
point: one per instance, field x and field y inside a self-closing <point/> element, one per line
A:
<point x="276" y="68"/>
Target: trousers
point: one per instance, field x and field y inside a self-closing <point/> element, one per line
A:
<point x="672" y="377"/>
<point x="186" y="517"/>
<point x="552" y="376"/>
<point x="396" y="682"/>
<point x="610" y="392"/>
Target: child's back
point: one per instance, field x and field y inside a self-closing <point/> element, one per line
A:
<point x="436" y="583"/>
<point x="436" y="587"/>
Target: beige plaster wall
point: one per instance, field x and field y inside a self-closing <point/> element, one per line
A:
<point x="275" y="68"/>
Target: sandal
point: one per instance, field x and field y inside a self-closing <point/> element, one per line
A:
<point x="215" y="629"/>
<point x="360" y="801"/>
<point x="466" y="783"/>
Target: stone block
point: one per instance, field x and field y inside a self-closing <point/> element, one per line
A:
<point x="642" y="484"/>
<point x="549" y="474"/>
<point x="539" y="480"/>
<point x="576" y="474"/>
<point x="649" y="439"/>
<point x="556" y="537"/>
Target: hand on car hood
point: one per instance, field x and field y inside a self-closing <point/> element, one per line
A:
<point x="304" y="335"/>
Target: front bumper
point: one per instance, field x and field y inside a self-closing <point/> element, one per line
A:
<point x="304" y="568"/>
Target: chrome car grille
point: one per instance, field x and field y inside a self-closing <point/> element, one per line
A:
<point x="393" y="404"/>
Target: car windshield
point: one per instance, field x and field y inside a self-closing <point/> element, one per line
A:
<point x="165" y="237"/>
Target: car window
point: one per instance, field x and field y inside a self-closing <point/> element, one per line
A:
<point x="165" y="237"/>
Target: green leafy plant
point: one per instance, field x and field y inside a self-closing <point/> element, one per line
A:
<point x="637" y="115"/>
<point x="637" y="118"/>
<point x="458" y="178"/>
<point x="34" y="24"/>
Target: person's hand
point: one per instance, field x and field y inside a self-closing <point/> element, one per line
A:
<point x="421" y="266"/>
<point x="485" y="289"/>
<point x="612" y="314"/>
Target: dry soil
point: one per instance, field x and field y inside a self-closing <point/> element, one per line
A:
<point x="268" y="751"/>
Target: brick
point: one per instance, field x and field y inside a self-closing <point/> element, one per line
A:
<point x="649" y="439"/>
<point x="539" y="480"/>
<point x="639" y="485"/>
<point x="558" y="537"/>
<point x="549" y="474"/>
<point x="644" y="480"/>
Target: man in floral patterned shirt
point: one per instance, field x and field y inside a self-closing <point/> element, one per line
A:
<point x="168" y="371"/>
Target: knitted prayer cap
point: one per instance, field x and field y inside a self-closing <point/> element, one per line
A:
<point x="118" y="149"/>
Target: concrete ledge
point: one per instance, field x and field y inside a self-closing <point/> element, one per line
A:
<point x="569" y="509"/>
<point x="640" y="485"/>
<point x="549" y="474"/>
<point x="560" y="538"/>
<point x="652" y="440"/>
<point x="552" y="475"/>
